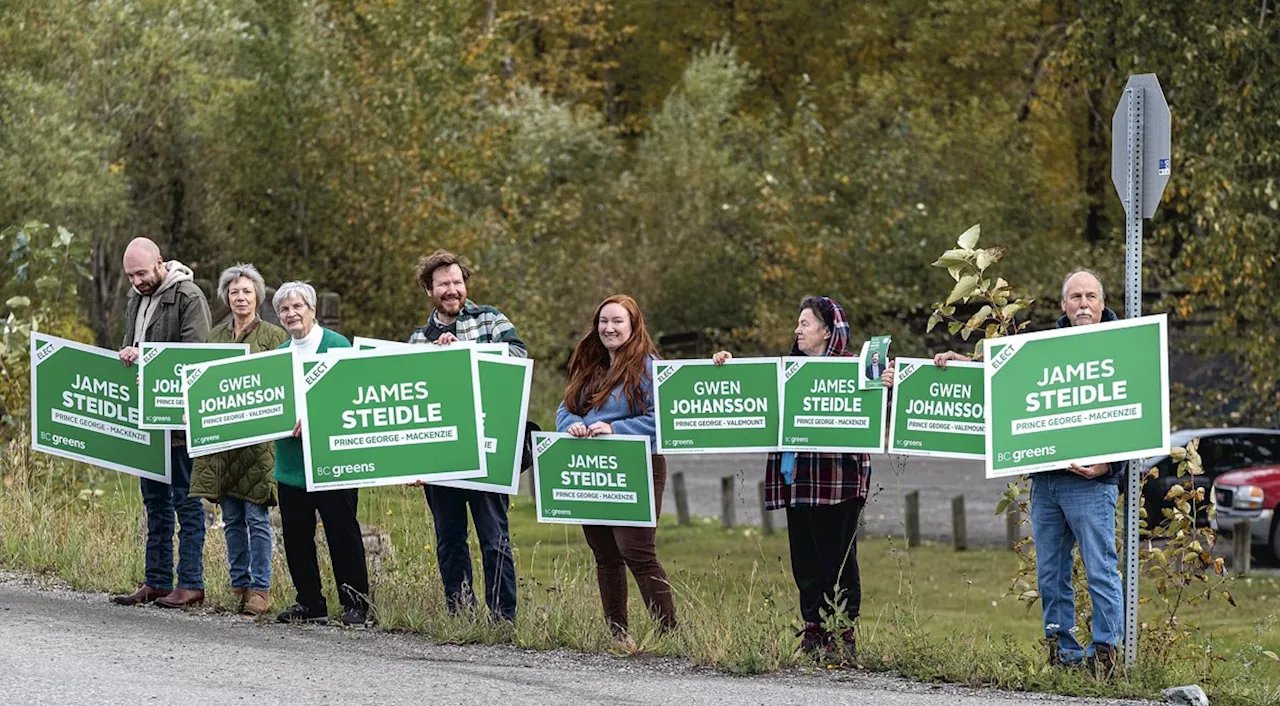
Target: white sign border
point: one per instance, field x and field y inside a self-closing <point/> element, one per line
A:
<point x="804" y="360"/>
<point x="142" y="380"/>
<point x="335" y="356"/>
<point x="502" y="350"/>
<point x="539" y="436"/>
<point x="211" y="449"/>
<point x="54" y="451"/>
<point x="514" y="487"/>
<point x="1162" y="323"/>
<point x="657" y="405"/>
<point x="893" y="412"/>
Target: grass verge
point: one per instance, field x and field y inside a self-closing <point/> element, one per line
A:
<point x="929" y="614"/>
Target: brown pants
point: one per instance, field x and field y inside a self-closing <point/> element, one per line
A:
<point x="619" y="548"/>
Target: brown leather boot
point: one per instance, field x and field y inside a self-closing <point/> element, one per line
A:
<point x="257" y="603"/>
<point x="239" y="594"/>
<point x="181" y="598"/>
<point x="144" y="594"/>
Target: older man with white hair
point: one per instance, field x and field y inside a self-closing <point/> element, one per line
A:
<point x="1070" y="507"/>
<point x="166" y="306"/>
<point x="1077" y="506"/>
<point x="295" y="304"/>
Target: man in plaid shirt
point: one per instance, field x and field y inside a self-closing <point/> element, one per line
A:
<point x="444" y="277"/>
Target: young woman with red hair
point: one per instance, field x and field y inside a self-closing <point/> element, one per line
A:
<point x="611" y="392"/>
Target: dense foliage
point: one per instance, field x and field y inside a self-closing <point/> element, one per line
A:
<point x="716" y="160"/>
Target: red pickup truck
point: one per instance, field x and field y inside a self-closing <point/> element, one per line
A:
<point x="1250" y="494"/>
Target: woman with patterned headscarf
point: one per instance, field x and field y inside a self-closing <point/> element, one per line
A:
<point x="823" y="494"/>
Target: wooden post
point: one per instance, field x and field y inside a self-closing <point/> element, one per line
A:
<point x="682" y="497"/>
<point x="766" y="518"/>
<point x="328" y="310"/>
<point x="265" y="310"/>
<point x="959" y="530"/>
<point x="726" y="502"/>
<point x="1241" y="561"/>
<point x="912" y="517"/>
<point x="1011" y="532"/>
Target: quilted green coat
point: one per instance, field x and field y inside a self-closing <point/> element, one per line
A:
<point x="244" y="473"/>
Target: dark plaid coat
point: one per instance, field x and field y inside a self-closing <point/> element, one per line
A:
<point x="820" y="478"/>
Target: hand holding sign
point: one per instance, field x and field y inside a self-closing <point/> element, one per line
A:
<point x="941" y="359"/>
<point x="886" y="378"/>
<point x="1089" y="471"/>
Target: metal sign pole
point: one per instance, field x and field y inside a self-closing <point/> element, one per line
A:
<point x="1133" y="309"/>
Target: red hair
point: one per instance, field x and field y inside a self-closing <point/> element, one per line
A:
<point x="591" y="377"/>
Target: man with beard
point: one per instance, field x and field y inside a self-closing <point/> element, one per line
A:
<point x="444" y="277"/>
<point x="166" y="306"/>
<point x="874" y="369"/>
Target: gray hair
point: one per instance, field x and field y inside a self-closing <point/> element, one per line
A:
<point x="1083" y="270"/>
<point x="302" y="290"/>
<point x="235" y="272"/>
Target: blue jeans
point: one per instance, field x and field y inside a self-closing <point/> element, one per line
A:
<point x="162" y="503"/>
<point x="489" y="512"/>
<point x="249" y="542"/>
<point x="1065" y="510"/>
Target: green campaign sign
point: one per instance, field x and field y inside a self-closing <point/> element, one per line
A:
<point x="84" y="407"/>
<point x="365" y="344"/>
<point x="605" y="480"/>
<point x="938" y="412"/>
<point x="1084" y="394"/>
<point x="701" y="407"/>
<point x="160" y="378"/>
<point x="390" y="415"/>
<point x="505" y="384"/>
<point x="239" y="401"/>
<point x="824" y="409"/>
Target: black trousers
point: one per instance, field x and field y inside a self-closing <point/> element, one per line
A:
<point x="337" y="510"/>
<point x="489" y="512"/>
<point x="824" y="557"/>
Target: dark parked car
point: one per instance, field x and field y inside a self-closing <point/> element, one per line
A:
<point x="1221" y="451"/>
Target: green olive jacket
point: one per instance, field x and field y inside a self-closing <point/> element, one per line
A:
<point x="244" y="473"/>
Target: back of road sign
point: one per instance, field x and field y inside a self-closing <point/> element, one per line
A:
<point x="1153" y="143"/>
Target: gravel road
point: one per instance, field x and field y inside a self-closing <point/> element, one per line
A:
<point x="67" y="648"/>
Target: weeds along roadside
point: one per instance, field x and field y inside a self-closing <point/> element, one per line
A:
<point x="927" y="614"/>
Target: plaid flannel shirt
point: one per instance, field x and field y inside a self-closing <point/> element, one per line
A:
<point x="820" y="479"/>
<point x="476" y="322"/>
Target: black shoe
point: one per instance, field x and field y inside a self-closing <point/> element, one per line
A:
<point x="355" y="617"/>
<point x="300" y="614"/>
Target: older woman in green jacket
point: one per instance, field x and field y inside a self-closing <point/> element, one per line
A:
<point x="241" y="480"/>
